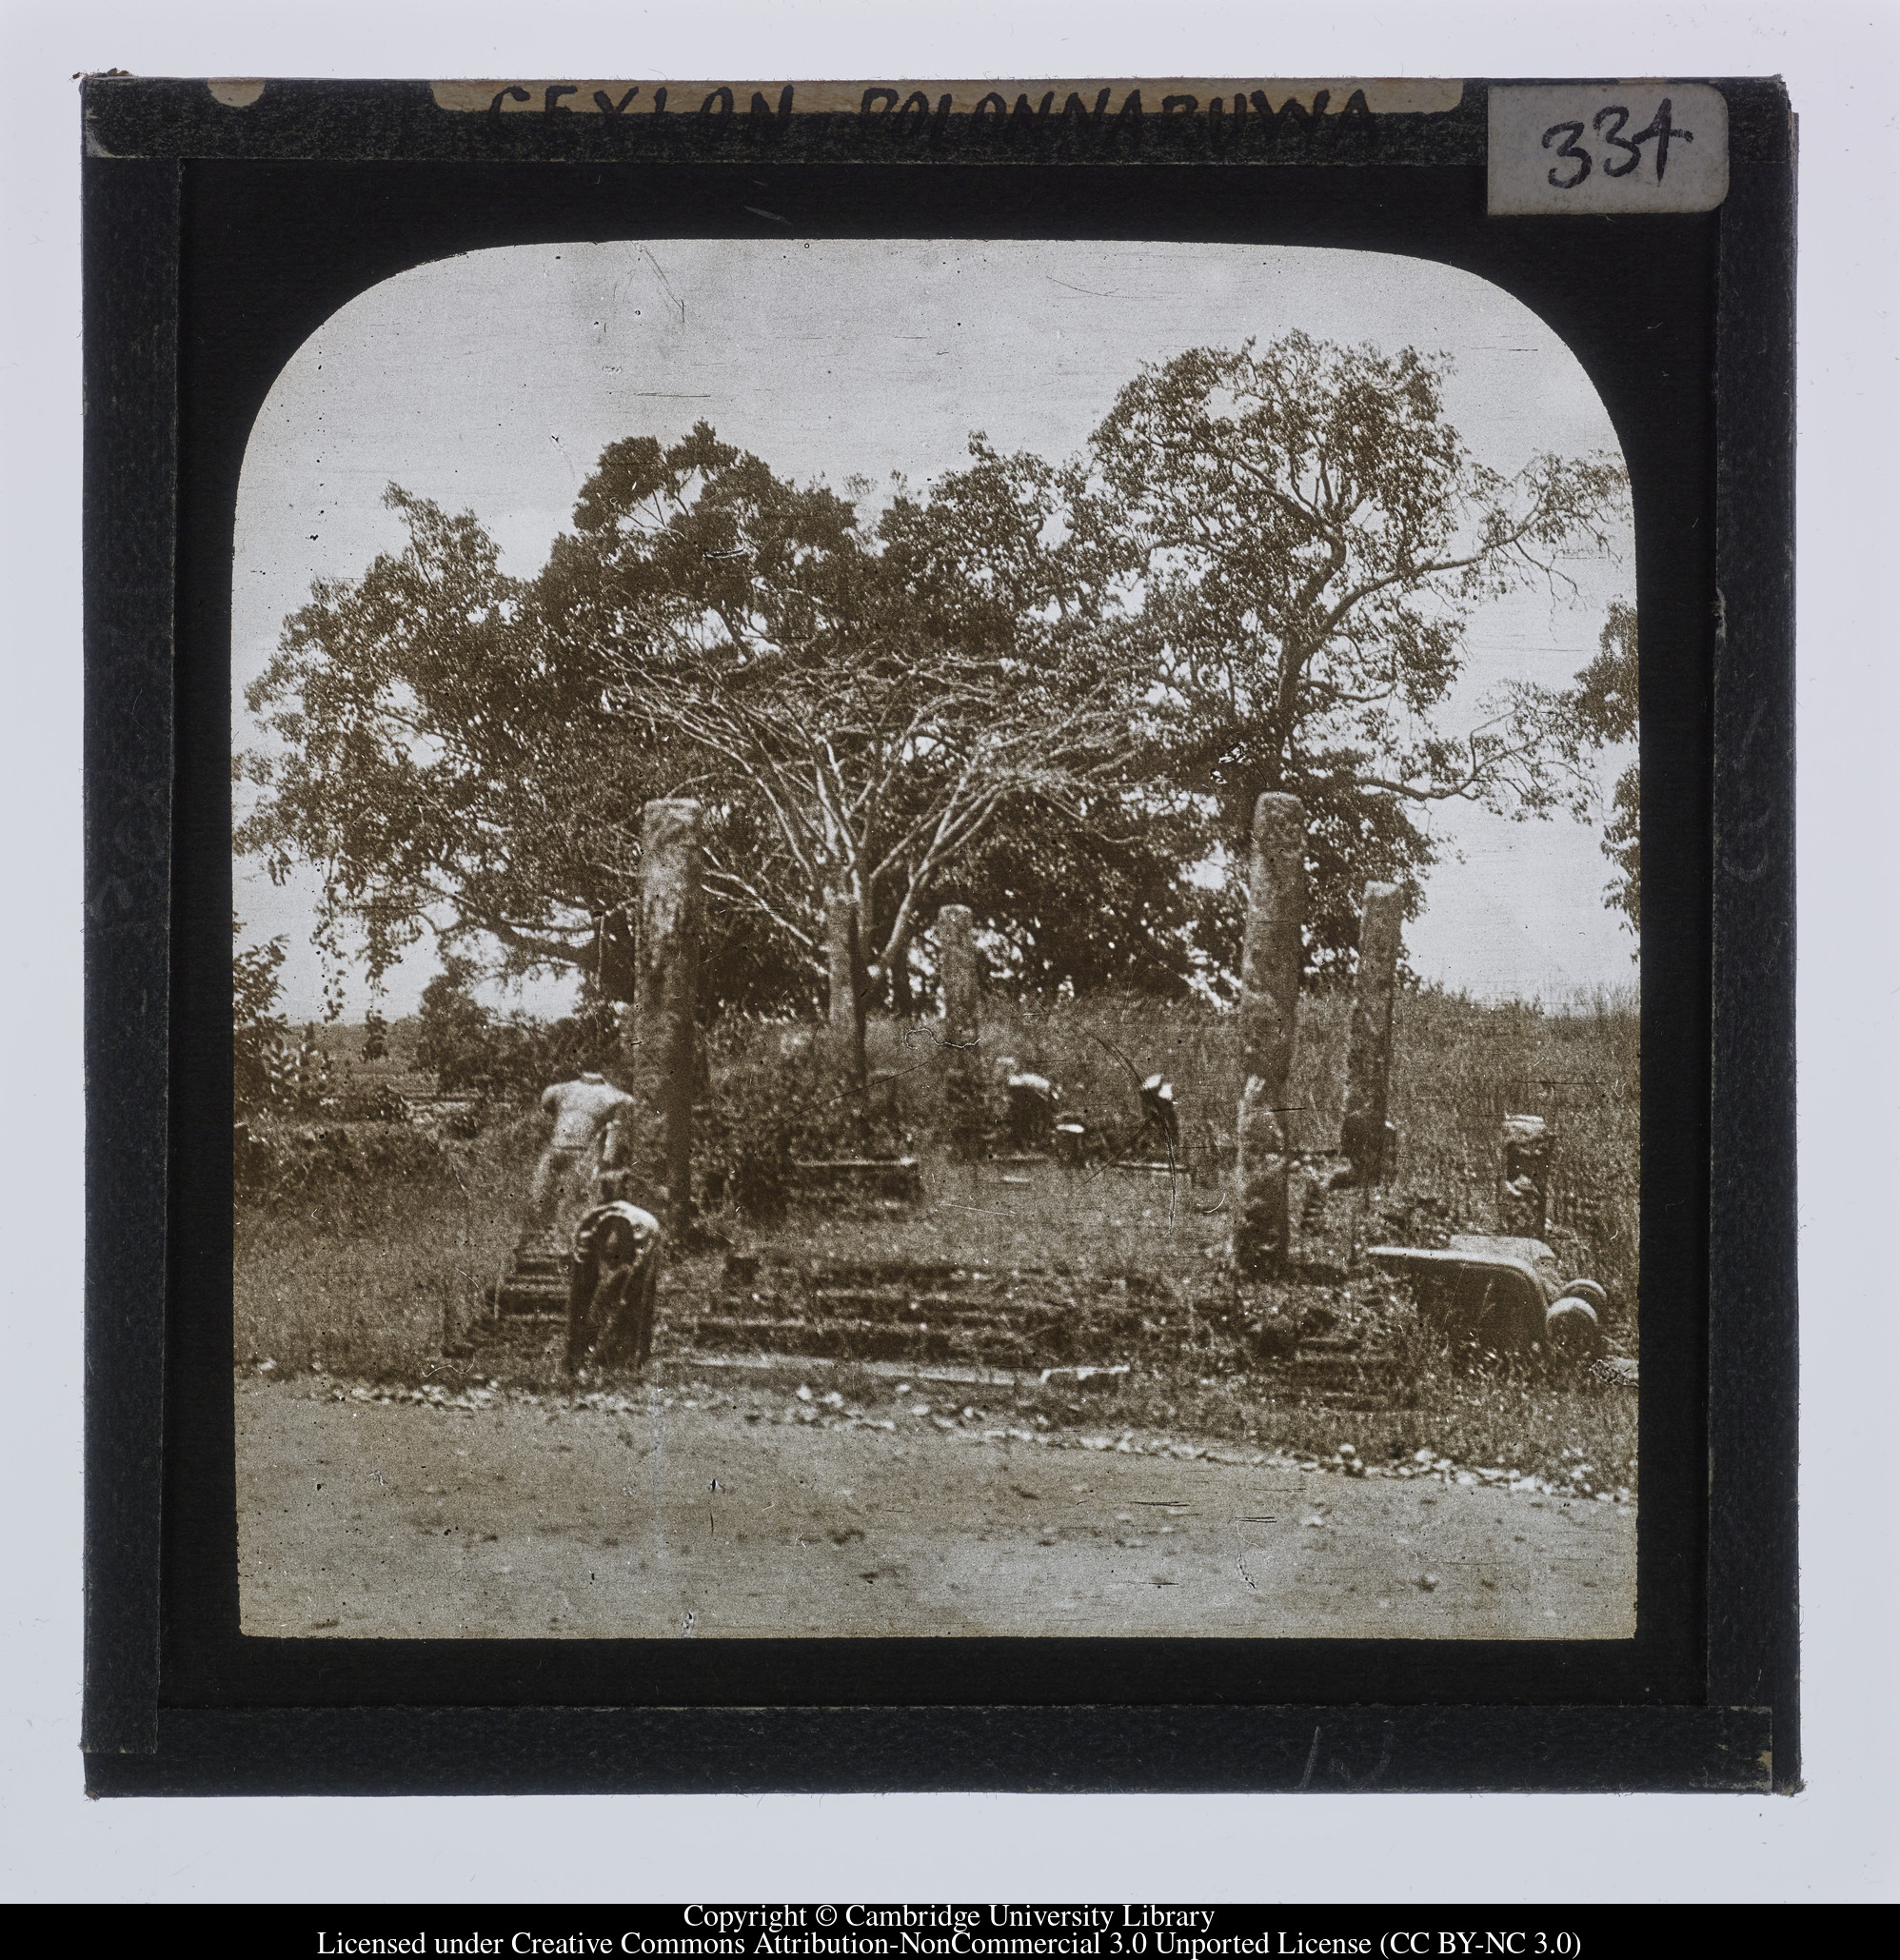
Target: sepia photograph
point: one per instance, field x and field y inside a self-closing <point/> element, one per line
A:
<point x="936" y="937"/>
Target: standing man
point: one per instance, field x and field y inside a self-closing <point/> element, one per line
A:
<point x="582" y="1111"/>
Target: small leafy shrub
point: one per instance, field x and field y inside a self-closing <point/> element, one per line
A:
<point x="466" y="1045"/>
<point x="774" y="1100"/>
<point x="370" y="1103"/>
<point x="294" y="1167"/>
<point x="256" y="1029"/>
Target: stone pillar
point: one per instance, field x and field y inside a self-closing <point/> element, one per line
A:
<point x="962" y="1067"/>
<point x="1523" y="1192"/>
<point x="1363" y="1137"/>
<point x="846" y="976"/>
<point x="666" y="1052"/>
<point x="1270" y="965"/>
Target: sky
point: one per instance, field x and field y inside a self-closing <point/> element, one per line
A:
<point x="493" y="380"/>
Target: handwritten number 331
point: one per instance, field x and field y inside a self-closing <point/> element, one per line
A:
<point x="1660" y="128"/>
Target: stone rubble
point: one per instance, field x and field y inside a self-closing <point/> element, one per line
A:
<point x="832" y="1410"/>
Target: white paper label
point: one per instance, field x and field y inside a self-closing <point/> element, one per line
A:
<point x="1598" y="149"/>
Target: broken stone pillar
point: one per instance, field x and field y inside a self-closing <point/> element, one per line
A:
<point x="962" y="1074"/>
<point x="845" y="974"/>
<point x="1270" y="965"/>
<point x="664" y="1057"/>
<point x="1523" y="1192"/>
<point x="1363" y="1137"/>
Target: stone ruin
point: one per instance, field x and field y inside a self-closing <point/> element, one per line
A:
<point x="1299" y="1219"/>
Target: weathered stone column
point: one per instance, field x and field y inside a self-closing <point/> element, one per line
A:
<point x="1269" y="1006"/>
<point x="1362" y="1137"/>
<point x="666" y="1052"/>
<point x="1523" y="1189"/>
<point x="845" y="977"/>
<point x="962" y="1068"/>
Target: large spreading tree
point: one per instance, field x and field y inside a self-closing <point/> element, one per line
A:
<point x="1301" y="539"/>
<point x="1052" y="693"/>
<point x="858" y="714"/>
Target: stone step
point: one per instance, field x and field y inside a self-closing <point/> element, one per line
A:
<point x="516" y="1302"/>
<point x="789" y="1271"/>
<point x="961" y="1308"/>
<point x="854" y="1339"/>
<point x="899" y="1177"/>
<point x="517" y="1321"/>
<point x="833" y="1295"/>
<point x="1062" y="1339"/>
<point x="1339" y="1369"/>
<point x="1055" y="1326"/>
<point x="529" y="1292"/>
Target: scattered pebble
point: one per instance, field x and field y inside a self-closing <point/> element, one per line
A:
<point x="1576" y="1480"/>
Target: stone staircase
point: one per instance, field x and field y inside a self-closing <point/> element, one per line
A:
<point x="535" y="1282"/>
<point x="785" y="1302"/>
<point x="920" y="1313"/>
<point x="780" y="1302"/>
<point x="1335" y="1370"/>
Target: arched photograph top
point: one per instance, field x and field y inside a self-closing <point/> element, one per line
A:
<point x="934" y="938"/>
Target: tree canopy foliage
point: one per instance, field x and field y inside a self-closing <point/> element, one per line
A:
<point x="1049" y="691"/>
<point x="1607" y="709"/>
<point x="1305" y="539"/>
<point x="256" y="1025"/>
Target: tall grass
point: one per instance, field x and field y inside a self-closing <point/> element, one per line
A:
<point x="1459" y="1066"/>
<point x="373" y="1278"/>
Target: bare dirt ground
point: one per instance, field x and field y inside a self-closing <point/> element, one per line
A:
<point x="525" y="1518"/>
